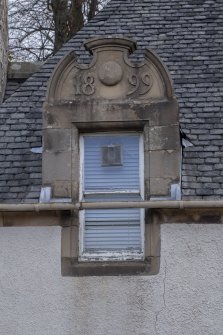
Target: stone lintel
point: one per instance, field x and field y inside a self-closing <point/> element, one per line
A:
<point x="84" y="114"/>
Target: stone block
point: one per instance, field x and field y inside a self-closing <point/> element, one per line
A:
<point x="164" y="138"/>
<point x="56" y="140"/>
<point x="75" y="190"/>
<point x="61" y="189"/>
<point x="57" y="117"/>
<point x="75" y="164"/>
<point x="164" y="113"/>
<point x="56" y="167"/>
<point x="147" y="234"/>
<point x="165" y="164"/>
<point x="146" y="137"/>
<point x="155" y="222"/>
<point x="65" y="242"/>
<point x="69" y="242"/>
<point x="146" y="164"/>
<point x="160" y="186"/>
<point x="147" y="189"/>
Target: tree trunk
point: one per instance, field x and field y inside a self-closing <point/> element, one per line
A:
<point x="93" y="8"/>
<point x="68" y="20"/>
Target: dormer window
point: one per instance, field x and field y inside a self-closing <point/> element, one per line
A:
<point x="111" y="134"/>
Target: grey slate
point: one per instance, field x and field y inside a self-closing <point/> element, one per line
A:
<point x="188" y="36"/>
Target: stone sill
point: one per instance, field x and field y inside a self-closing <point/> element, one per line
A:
<point x="72" y="268"/>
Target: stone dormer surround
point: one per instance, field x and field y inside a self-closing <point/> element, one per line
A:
<point x="110" y="94"/>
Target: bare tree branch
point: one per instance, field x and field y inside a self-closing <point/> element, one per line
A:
<point x="39" y="28"/>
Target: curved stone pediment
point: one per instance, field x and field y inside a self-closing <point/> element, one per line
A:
<point x="110" y="75"/>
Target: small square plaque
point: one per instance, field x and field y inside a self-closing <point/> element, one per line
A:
<point x="112" y="155"/>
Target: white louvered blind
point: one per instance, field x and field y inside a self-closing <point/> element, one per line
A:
<point x="111" y="178"/>
<point x="115" y="229"/>
<point x="98" y="177"/>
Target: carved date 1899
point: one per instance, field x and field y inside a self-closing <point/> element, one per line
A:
<point x="142" y="83"/>
<point x="84" y="84"/>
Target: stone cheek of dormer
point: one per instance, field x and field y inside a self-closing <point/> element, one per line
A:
<point x="110" y="94"/>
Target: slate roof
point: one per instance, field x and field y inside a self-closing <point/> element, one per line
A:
<point x="188" y="36"/>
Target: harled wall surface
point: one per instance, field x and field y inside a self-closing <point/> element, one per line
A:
<point x="185" y="298"/>
<point x="3" y="47"/>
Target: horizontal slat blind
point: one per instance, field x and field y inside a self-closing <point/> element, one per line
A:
<point x="115" y="229"/>
<point x="112" y="229"/>
<point x="111" y="178"/>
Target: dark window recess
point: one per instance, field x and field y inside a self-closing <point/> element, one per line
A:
<point x="112" y="155"/>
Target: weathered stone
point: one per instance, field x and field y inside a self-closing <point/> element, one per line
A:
<point x="69" y="243"/>
<point x="146" y="135"/>
<point x="35" y="219"/>
<point x="160" y="186"/>
<point x="147" y="189"/>
<point x="56" y="167"/>
<point x="56" y="140"/>
<point x="163" y="113"/>
<point x="155" y="222"/>
<point x="61" y="189"/>
<point x="110" y="75"/>
<point x="75" y="164"/>
<point x="90" y="114"/>
<point x="165" y="164"/>
<point x="164" y="138"/>
<point x="65" y="242"/>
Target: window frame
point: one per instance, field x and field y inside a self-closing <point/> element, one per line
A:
<point x="121" y="255"/>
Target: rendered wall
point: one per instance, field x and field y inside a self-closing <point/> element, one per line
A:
<point x="186" y="298"/>
<point x="3" y="46"/>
